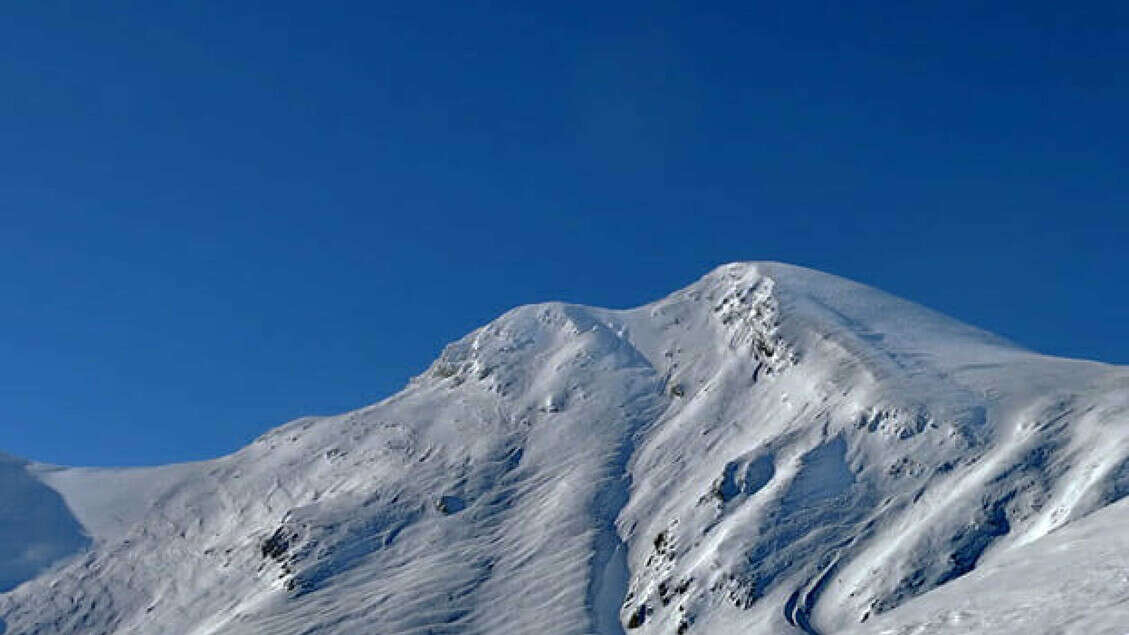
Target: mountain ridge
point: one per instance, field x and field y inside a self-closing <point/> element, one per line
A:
<point x="770" y="449"/>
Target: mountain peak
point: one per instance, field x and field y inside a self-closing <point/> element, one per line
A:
<point x="771" y="449"/>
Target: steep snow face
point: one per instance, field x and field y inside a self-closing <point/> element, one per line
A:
<point x="769" y="450"/>
<point x="834" y="451"/>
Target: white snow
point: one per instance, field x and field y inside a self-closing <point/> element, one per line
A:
<point x="1074" y="581"/>
<point x="769" y="450"/>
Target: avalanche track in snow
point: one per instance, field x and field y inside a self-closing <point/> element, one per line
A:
<point x="770" y="450"/>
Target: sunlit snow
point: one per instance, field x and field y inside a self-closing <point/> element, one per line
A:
<point x="770" y="450"/>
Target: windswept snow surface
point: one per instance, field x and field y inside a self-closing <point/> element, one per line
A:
<point x="770" y="450"/>
<point x="1074" y="581"/>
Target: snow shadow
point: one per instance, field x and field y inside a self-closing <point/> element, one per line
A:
<point x="36" y="528"/>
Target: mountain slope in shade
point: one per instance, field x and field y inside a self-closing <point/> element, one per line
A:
<point x="770" y="450"/>
<point x="36" y="528"/>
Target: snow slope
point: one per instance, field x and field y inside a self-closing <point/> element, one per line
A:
<point x="36" y="528"/>
<point x="1074" y="581"/>
<point x="770" y="450"/>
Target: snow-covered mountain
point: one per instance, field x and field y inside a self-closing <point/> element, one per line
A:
<point x="770" y="450"/>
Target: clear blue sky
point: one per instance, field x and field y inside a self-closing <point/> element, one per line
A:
<point x="215" y="216"/>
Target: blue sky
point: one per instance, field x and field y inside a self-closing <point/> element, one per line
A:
<point x="216" y="218"/>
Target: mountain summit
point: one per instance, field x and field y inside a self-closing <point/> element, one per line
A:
<point x="769" y="450"/>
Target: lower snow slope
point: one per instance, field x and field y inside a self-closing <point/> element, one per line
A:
<point x="770" y="450"/>
<point x="1074" y="581"/>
